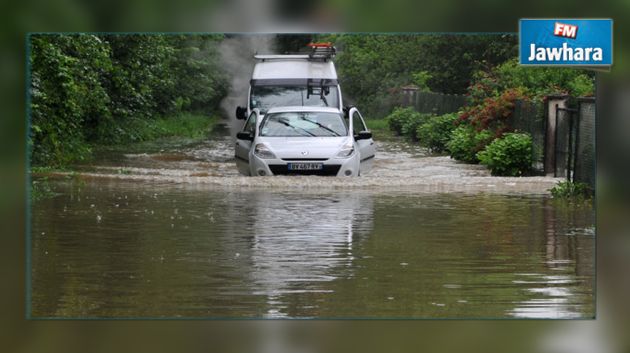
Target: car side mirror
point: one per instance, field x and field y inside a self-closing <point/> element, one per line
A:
<point x="245" y="135"/>
<point x="241" y="113"/>
<point x="364" y="135"/>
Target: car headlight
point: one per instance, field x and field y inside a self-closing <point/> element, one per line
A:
<point x="263" y="152"/>
<point x="346" y="151"/>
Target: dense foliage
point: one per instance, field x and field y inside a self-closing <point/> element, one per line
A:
<point x="373" y="67"/>
<point x="466" y="142"/>
<point x="492" y="97"/>
<point x="510" y="155"/>
<point x="531" y="82"/>
<point x="89" y="89"/>
<point x="436" y="131"/>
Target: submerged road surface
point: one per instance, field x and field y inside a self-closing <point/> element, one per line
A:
<point x="397" y="165"/>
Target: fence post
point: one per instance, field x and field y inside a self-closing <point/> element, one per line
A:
<point x="552" y="104"/>
<point x="584" y="170"/>
<point x="409" y="95"/>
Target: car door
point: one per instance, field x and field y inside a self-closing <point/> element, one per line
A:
<point x="367" y="149"/>
<point x="243" y="146"/>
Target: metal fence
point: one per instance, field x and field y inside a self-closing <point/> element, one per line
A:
<point x="529" y="117"/>
<point x="573" y="128"/>
<point x="564" y="137"/>
<point x="584" y="167"/>
<point x="433" y="103"/>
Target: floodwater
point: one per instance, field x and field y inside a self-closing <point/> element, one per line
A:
<point x="174" y="232"/>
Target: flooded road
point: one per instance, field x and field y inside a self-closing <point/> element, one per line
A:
<point x="177" y="233"/>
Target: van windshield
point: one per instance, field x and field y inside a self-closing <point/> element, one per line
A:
<point x="266" y="97"/>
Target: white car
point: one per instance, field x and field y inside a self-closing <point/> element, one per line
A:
<point x="304" y="141"/>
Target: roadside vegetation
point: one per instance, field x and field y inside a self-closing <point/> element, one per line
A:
<point x="373" y="67"/>
<point x="568" y="190"/>
<point x="41" y="189"/>
<point x="480" y="132"/>
<point x="509" y="155"/>
<point x="379" y="129"/>
<point x="188" y="126"/>
<point x="100" y="90"/>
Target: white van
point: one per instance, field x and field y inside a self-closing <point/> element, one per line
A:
<point x="294" y="80"/>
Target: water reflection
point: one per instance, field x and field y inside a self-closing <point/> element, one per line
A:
<point x="566" y="242"/>
<point x="136" y="249"/>
<point x="301" y="241"/>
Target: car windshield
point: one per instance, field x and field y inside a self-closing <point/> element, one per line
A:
<point x="315" y="124"/>
<point x="266" y="97"/>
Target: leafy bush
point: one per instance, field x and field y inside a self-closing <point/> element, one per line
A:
<point x="510" y="155"/>
<point x="570" y="190"/>
<point x="465" y="142"/>
<point x="405" y="121"/>
<point x="410" y="126"/>
<point x="493" y="112"/>
<point x="436" y="132"/>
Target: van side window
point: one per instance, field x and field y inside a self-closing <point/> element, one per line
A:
<point x="250" y="124"/>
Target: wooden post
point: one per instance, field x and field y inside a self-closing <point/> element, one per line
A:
<point x="409" y="94"/>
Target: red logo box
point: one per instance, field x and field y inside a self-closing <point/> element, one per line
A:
<point x="565" y="30"/>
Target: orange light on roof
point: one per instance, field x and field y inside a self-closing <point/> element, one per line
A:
<point x="320" y="45"/>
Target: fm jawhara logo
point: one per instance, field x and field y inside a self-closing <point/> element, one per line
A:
<point x="566" y="42"/>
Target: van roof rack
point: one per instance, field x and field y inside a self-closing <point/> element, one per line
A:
<point x="319" y="52"/>
<point x="265" y="57"/>
<point x="322" y="51"/>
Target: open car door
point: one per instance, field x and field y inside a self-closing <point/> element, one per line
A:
<point x="244" y="140"/>
<point x="363" y="138"/>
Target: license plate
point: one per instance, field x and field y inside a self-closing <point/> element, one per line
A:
<point x="305" y="166"/>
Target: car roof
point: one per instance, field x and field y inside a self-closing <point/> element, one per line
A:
<point x="303" y="109"/>
<point x="291" y="68"/>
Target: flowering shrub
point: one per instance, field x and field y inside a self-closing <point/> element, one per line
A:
<point x="493" y="112"/>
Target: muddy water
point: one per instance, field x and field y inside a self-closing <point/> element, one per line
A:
<point x="177" y="233"/>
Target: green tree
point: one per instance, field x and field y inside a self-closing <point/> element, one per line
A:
<point x="88" y="89"/>
<point x="533" y="82"/>
<point x="200" y="82"/>
<point x="67" y="94"/>
<point x="372" y="68"/>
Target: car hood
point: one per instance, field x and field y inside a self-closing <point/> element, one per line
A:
<point x="305" y="147"/>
